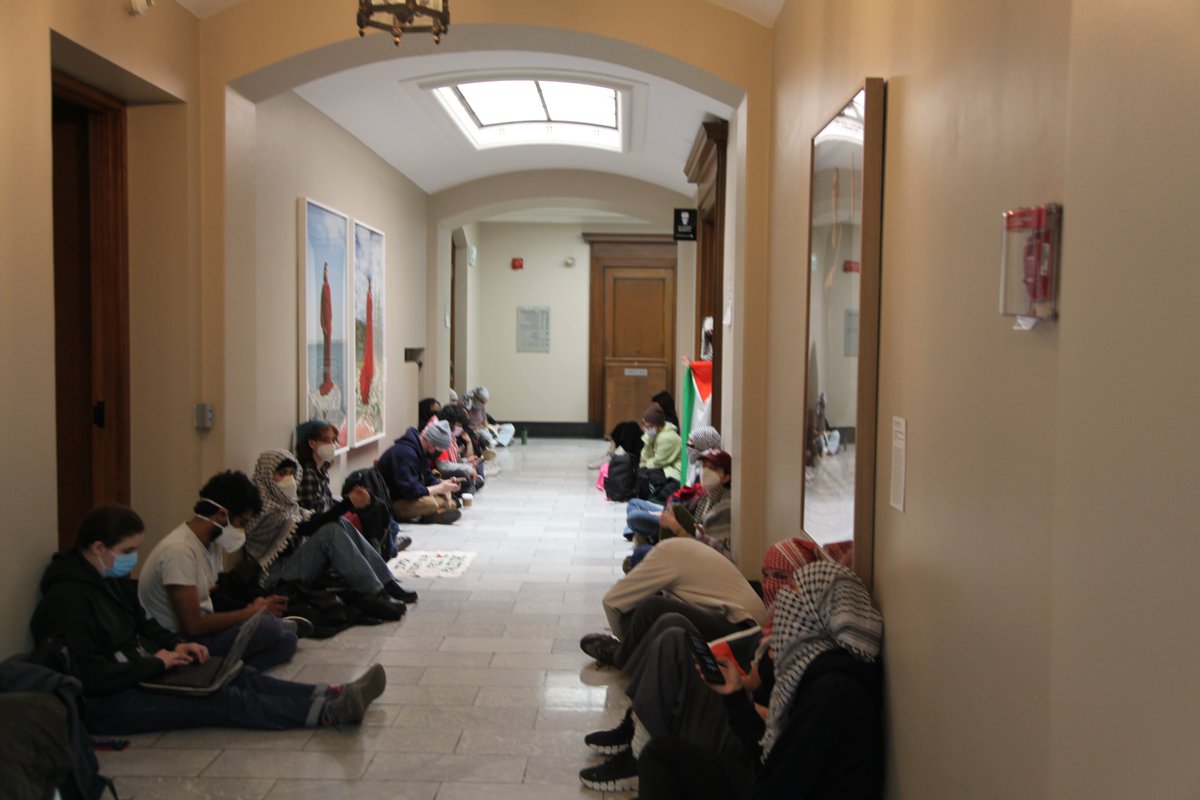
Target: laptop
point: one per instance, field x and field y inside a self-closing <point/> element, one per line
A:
<point x="209" y="677"/>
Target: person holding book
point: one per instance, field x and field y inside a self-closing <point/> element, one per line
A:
<point x="89" y="606"/>
<point x="642" y="516"/>
<point x="667" y="695"/>
<point x="822" y="736"/>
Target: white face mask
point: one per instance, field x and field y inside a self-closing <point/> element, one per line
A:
<point x="709" y="478"/>
<point x="651" y="432"/>
<point x="325" y="451"/>
<point x="232" y="539"/>
<point x="287" y="486"/>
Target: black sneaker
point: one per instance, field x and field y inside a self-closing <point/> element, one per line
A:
<point x="618" y="774"/>
<point x="402" y="543"/>
<point x="602" y="647"/>
<point x="398" y="592"/>
<point x="614" y="741"/>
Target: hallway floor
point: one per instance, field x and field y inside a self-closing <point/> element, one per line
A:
<point x="488" y="694"/>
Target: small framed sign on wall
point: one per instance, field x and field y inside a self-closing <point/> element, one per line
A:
<point x="533" y="329"/>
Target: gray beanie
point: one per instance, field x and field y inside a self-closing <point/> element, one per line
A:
<point x="481" y="393"/>
<point x="437" y="434"/>
<point x="453" y="396"/>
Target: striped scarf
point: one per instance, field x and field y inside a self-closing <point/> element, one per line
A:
<point x="268" y="534"/>
<point x="829" y="608"/>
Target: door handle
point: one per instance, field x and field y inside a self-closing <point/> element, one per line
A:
<point x="98" y="414"/>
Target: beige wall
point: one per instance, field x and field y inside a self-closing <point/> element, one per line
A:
<point x="161" y="49"/>
<point x="1038" y="642"/>
<point x="328" y="165"/>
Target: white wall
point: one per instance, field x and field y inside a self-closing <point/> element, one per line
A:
<point x="535" y="387"/>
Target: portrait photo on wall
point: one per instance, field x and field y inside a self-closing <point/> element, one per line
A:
<point x="324" y="388"/>
<point x="368" y="378"/>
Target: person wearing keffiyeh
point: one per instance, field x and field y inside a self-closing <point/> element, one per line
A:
<point x="823" y="735"/>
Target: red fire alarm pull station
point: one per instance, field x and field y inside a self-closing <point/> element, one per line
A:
<point x="518" y="263"/>
<point x="1029" y="264"/>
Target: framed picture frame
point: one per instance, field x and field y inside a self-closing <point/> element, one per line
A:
<point x="324" y="311"/>
<point x="369" y="379"/>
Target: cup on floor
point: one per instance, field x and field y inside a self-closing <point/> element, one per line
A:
<point x="467" y="499"/>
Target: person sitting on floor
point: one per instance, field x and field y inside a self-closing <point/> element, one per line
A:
<point x="454" y="462"/>
<point x="669" y="698"/>
<point x="489" y="430"/>
<point x="661" y="462"/>
<point x="316" y="444"/>
<point x="702" y="512"/>
<point x="822" y="737"/>
<point x="89" y="604"/>
<point x="181" y="571"/>
<point x="682" y="576"/>
<point x="427" y="408"/>
<point x="291" y="544"/>
<point x="642" y="516"/>
<point x="416" y="493"/>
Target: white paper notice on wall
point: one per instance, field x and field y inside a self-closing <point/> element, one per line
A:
<point x="899" y="451"/>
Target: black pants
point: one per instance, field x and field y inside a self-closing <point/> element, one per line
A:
<point x="635" y="624"/>
<point x="670" y="767"/>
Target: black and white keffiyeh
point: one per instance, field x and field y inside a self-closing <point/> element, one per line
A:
<point x="268" y="534"/>
<point x="829" y="608"/>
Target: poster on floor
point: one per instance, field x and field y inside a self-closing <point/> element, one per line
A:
<point x="324" y="236"/>
<point x="368" y="378"/>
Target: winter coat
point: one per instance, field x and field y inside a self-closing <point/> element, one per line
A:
<point x="664" y="451"/>
<point x="405" y="468"/>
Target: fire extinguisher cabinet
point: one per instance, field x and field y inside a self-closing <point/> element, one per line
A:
<point x="1029" y="263"/>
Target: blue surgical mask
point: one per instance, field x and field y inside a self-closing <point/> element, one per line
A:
<point x="122" y="565"/>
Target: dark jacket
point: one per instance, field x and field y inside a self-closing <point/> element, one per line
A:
<point x="405" y="468"/>
<point x="111" y="640"/>
<point x="832" y="747"/>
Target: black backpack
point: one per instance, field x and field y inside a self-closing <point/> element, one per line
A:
<point x="621" y="483"/>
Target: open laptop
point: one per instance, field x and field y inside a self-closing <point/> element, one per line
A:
<point x="206" y="678"/>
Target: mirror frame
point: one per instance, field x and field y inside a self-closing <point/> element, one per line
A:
<point x="866" y="417"/>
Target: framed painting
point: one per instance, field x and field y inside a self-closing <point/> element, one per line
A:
<point x="324" y="308"/>
<point x="368" y="379"/>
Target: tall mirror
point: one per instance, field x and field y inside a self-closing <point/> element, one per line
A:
<point x="842" y="348"/>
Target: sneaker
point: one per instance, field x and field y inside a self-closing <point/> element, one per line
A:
<point x="614" y="741"/>
<point x="346" y="708"/>
<point x="298" y="625"/>
<point x="380" y="606"/>
<point x="402" y="543"/>
<point x="447" y="517"/>
<point x="398" y="592"/>
<point x="369" y="685"/>
<point x="602" y="647"/>
<point x="618" y="774"/>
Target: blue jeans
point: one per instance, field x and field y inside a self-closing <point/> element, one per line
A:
<point x="251" y="700"/>
<point x="641" y="516"/>
<point x="336" y="547"/>
<point x="270" y="645"/>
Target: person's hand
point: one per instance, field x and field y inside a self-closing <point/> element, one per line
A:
<point x="733" y="678"/>
<point x="197" y="653"/>
<point x="360" y="498"/>
<point x="667" y="520"/>
<point x="275" y="604"/>
<point x="172" y="658"/>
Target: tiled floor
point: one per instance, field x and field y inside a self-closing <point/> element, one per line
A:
<point x="488" y="694"/>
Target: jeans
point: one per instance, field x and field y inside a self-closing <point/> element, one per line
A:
<point x="270" y="645"/>
<point x="336" y="546"/>
<point x="251" y="700"/>
<point x="641" y="516"/>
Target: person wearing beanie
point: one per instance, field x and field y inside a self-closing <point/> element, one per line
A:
<point x="416" y="493"/>
<point x="491" y="432"/>
<point x="662" y="456"/>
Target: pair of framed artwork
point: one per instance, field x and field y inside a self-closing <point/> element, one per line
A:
<point x="341" y="324"/>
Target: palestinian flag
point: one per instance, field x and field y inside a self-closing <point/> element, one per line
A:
<point x="697" y="405"/>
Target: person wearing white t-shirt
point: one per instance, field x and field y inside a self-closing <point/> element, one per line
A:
<point x="177" y="579"/>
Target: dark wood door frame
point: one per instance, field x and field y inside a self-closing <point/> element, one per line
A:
<point x="108" y="263"/>
<point x="607" y="248"/>
<point x="705" y="167"/>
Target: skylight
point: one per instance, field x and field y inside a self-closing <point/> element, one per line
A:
<point x="511" y="112"/>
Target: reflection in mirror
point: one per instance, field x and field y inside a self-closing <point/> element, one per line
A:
<point x="843" y="308"/>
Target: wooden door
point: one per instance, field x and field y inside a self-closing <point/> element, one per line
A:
<point x="91" y="296"/>
<point x="633" y="330"/>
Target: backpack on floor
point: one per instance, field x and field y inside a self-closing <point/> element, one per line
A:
<point x="621" y="482"/>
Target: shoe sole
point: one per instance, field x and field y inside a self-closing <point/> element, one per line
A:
<point x="629" y="784"/>
<point x="609" y="749"/>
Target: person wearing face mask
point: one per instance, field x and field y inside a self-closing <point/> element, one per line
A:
<point x="642" y="516"/>
<point x="458" y="459"/>
<point x="292" y="544"/>
<point x="181" y="571"/>
<point x="710" y="508"/>
<point x="114" y="647"/>
<point x="659" y="469"/>
<point x="316" y="444"/>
